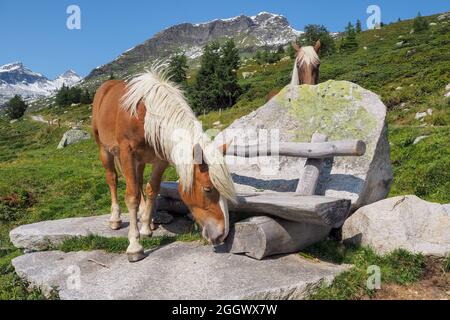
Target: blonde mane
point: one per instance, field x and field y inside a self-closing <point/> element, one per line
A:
<point x="307" y="55"/>
<point x="172" y="129"/>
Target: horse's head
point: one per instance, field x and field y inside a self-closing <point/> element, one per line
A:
<point x="307" y="63"/>
<point x="208" y="206"/>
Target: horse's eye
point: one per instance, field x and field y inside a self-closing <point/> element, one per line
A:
<point x="208" y="189"/>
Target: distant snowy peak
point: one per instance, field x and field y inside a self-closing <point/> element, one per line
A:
<point x="69" y="78"/>
<point x="15" y="78"/>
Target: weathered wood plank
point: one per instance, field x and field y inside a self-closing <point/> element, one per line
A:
<point x="260" y="237"/>
<point x="303" y="150"/>
<point x="287" y="205"/>
<point x="310" y="177"/>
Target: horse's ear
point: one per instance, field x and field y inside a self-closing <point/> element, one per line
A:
<point x="295" y="46"/>
<point x="317" y="46"/>
<point x="223" y="148"/>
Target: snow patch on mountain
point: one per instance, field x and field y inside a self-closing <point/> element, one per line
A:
<point x="15" y="78"/>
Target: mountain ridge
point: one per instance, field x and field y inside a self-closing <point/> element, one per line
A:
<point x="16" y="78"/>
<point x="264" y="30"/>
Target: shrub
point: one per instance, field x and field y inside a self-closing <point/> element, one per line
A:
<point x="16" y="107"/>
<point x="420" y="23"/>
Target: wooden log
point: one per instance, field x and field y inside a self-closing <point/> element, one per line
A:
<point x="287" y="205"/>
<point x="310" y="177"/>
<point x="304" y="150"/>
<point x="260" y="237"/>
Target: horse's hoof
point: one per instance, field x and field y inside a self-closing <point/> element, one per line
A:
<point x="135" y="257"/>
<point x="115" y="225"/>
<point x="153" y="226"/>
<point x="145" y="233"/>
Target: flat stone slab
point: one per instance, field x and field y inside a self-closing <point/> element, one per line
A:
<point x="43" y="235"/>
<point x="176" y="271"/>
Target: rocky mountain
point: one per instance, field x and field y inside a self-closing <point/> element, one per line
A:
<point x="264" y="30"/>
<point x="15" y="78"/>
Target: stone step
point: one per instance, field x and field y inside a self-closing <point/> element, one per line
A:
<point x="46" y="234"/>
<point x="176" y="271"/>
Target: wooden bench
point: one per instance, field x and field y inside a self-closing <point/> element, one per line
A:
<point x="271" y="223"/>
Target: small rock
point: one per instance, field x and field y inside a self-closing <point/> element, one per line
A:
<point x="73" y="136"/>
<point x="430" y="111"/>
<point x="420" y="115"/>
<point x="447" y="95"/>
<point x="247" y="75"/>
<point x="444" y="16"/>
<point x="411" y="52"/>
<point x="13" y="121"/>
<point x="399" y="88"/>
<point x="404" y="222"/>
<point x="447" y="87"/>
<point x="420" y="138"/>
<point x="399" y="44"/>
<point x="365" y="48"/>
<point x="433" y="24"/>
<point x="403" y="104"/>
<point x="217" y="123"/>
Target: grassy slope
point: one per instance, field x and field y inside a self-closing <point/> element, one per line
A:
<point x="39" y="182"/>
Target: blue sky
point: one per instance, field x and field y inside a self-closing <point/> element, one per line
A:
<point x="35" y="32"/>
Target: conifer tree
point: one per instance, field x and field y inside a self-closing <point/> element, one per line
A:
<point x="16" y="107"/>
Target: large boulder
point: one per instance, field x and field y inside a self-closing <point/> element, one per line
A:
<point x="339" y="109"/>
<point x="405" y="222"/>
<point x="73" y="136"/>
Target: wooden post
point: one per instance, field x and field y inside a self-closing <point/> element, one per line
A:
<point x="310" y="177"/>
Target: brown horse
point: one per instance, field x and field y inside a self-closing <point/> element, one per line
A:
<point x="148" y="120"/>
<point x="306" y="67"/>
<point x="307" y="64"/>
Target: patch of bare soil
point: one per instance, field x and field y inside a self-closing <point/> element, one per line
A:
<point x="434" y="285"/>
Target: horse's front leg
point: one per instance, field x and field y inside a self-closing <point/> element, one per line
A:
<point x="152" y="190"/>
<point x="135" y="251"/>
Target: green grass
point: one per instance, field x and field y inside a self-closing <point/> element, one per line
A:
<point x="11" y="286"/>
<point x="447" y="264"/>
<point x="400" y="267"/>
<point x="119" y="245"/>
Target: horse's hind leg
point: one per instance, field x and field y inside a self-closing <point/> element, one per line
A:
<point x="152" y="190"/>
<point x="111" y="178"/>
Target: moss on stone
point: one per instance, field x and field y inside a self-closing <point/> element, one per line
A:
<point x="334" y="108"/>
